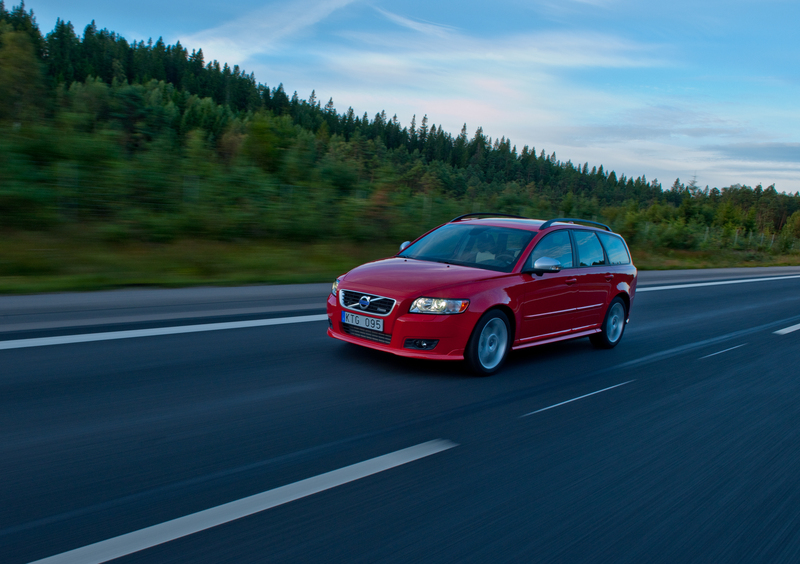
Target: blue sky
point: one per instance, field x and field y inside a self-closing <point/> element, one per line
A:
<point x="706" y="89"/>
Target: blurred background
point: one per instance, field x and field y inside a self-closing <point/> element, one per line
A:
<point x="131" y="163"/>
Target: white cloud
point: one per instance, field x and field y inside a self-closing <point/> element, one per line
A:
<point x="427" y="28"/>
<point x="547" y="49"/>
<point x="772" y="153"/>
<point x="261" y="31"/>
<point x="497" y="83"/>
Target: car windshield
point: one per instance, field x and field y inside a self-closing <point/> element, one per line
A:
<point x="479" y="246"/>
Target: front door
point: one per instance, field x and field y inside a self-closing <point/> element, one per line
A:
<point x="548" y="304"/>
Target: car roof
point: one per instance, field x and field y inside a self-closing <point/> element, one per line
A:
<point x="516" y="223"/>
<point x="523" y="223"/>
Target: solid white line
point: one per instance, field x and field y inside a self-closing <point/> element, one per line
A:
<point x="157" y="331"/>
<point x="787" y="330"/>
<point x="720" y="352"/>
<point x="165" y="532"/>
<point x="576" y="399"/>
<point x="722" y="283"/>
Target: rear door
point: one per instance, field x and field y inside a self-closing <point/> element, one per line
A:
<point x="594" y="280"/>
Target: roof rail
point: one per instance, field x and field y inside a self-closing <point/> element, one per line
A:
<point x="459" y="218"/>
<point x="550" y="222"/>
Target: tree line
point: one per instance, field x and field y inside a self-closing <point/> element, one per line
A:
<point x="147" y="140"/>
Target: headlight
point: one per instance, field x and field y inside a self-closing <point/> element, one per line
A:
<point x="335" y="288"/>
<point x="438" y="305"/>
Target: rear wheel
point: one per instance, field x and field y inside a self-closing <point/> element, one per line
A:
<point x="613" y="326"/>
<point x="489" y="344"/>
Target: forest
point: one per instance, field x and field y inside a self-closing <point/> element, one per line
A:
<point x="150" y="142"/>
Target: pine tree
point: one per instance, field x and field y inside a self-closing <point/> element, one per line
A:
<point x="280" y="101"/>
<point x="21" y="89"/>
<point x="63" y="53"/>
<point x="25" y="22"/>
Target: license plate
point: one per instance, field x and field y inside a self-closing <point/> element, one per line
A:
<point x="361" y="321"/>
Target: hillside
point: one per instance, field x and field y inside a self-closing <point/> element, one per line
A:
<point x="147" y="142"/>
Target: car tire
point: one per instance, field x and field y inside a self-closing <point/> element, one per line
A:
<point x="489" y="344"/>
<point x="613" y="326"/>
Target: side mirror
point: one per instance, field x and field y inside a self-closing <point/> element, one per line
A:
<point x="545" y="264"/>
<point x="404" y="245"/>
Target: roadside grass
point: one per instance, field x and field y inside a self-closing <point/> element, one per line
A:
<point x="668" y="259"/>
<point x="44" y="262"/>
<point x="34" y="262"/>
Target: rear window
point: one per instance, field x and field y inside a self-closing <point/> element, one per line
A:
<point x="615" y="249"/>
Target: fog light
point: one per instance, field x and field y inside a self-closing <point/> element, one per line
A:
<point x="421" y="344"/>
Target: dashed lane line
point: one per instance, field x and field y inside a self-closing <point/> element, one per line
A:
<point x="149" y="537"/>
<point x="788" y="330"/>
<point x="576" y="399"/>
<point x="720" y="352"/>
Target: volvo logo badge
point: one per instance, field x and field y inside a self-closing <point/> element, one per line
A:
<point x="364" y="302"/>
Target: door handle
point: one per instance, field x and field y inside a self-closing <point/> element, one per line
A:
<point x="609" y="277"/>
<point x="570" y="281"/>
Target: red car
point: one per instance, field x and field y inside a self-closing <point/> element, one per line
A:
<point x="475" y="288"/>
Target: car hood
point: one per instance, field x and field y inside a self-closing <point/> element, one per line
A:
<point x="404" y="278"/>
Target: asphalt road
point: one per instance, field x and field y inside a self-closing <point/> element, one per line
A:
<point x="275" y="443"/>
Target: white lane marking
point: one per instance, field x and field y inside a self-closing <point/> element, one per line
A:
<point x="149" y="537"/>
<point x="576" y="399"/>
<point x="722" y="283"/>
<point x="154" y="332"/>
<point x="720" y="352"/>
<point x="787" y="330"/>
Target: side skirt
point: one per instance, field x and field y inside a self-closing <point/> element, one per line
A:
<point x="566" y="337"/>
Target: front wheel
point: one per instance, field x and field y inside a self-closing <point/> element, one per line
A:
<point x="489" y="344"/>
<point x="613" y="326"/>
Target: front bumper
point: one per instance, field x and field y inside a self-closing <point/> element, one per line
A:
<point x="452" y="332"/>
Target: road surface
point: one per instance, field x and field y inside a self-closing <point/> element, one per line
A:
<point x="263" y="440"/>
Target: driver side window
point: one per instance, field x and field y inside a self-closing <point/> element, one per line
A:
<point x="555" y="245"/>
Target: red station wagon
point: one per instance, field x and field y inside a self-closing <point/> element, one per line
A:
<point x="477" y="287"/>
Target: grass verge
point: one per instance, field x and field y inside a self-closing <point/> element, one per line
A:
<point x="40" y="262"/>
<point x="667" y="259"/>
<point x="49" y="262"/>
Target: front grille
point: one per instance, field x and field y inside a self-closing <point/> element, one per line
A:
<point x="378" y="305"/>
<point x="368" y="334"/>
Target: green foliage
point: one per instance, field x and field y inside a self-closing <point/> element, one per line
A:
<point x="21" y="89"/>
<point x="793" y="225"/>
<point x="148" y="142"/>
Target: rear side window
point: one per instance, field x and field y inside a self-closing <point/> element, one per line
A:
<point x="554" y="245"/>
<point x="615" y="249"/>
<point x="590" y="252"/>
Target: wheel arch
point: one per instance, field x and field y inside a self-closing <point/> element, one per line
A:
<point x="472" y="352"/>
<point x="509" y="315"/>
<point x="626" y="300"/>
